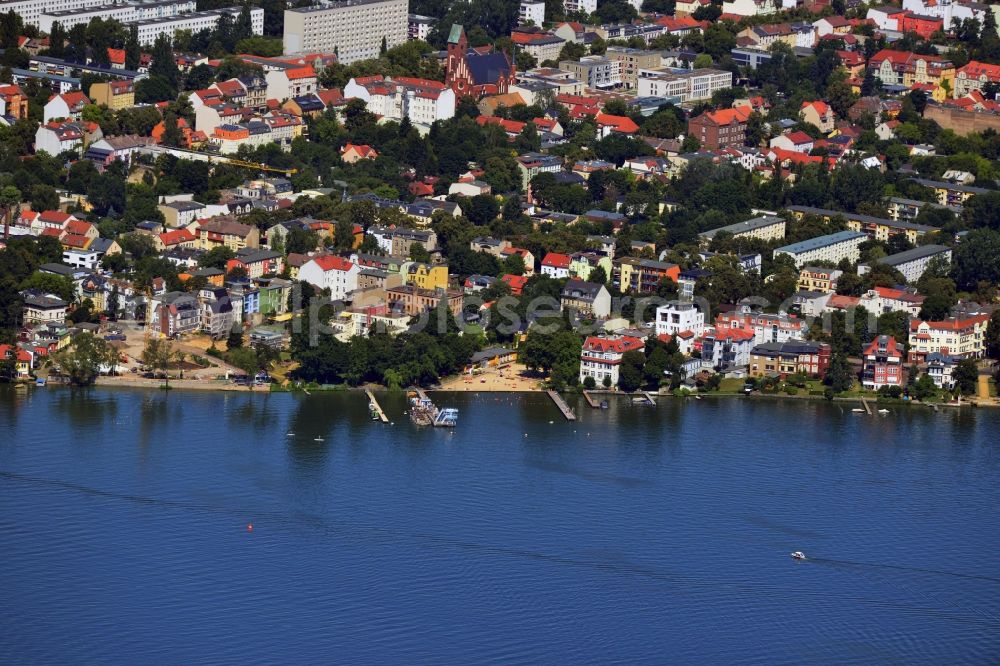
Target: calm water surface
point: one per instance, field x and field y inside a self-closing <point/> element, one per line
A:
<point x="636" y="535"/>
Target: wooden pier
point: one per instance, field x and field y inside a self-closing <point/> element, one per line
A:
<point x="868" y="409"/>
<point x="649" y="397"/>
<point x="563" y="407"/>
<point x="590" y="400"/>
<point x="377" y="408"/>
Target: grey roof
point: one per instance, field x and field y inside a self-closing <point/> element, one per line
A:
<point x="826" y="212"/>
<point x="912" y="255"/>
<point x="58" y="269"/>
<point x="821" y="242"/>
<point x="580" y="290"/>
<point x="951" y="186"/>
<point x="492" y="352"/>
<point x="745" y="226"/>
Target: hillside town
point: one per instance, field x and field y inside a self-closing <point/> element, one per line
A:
<point x="798" y="197"/>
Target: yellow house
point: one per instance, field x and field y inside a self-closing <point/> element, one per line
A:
<point x="426" y="276"/>
<point x="628" y="273"/>
<point x="115" y="95"/>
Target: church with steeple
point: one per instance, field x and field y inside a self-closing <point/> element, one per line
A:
<point x="476" y="72"/>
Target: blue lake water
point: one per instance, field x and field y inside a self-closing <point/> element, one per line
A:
<point x="639" y="535"/>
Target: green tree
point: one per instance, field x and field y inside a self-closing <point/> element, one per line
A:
<point x="630" y="371"/>
<point x="966" y="376"/>
<point x="992" y="341"/>
<point x="82" y="361"/>
<point x="159" y="354"/>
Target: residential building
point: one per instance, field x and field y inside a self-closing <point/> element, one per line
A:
<point x="531" y="12"/>
<point x="727" y="348"/>
<point x="632" y="61"/>
<point x="216" y="312"/>
<point x="876" y="228"/>
<point x="57" y="137"/>
<point x="912" y="263"/>
<point x="587" y="299"/>
<point x="597" y="72"/>
<point x="815" y="278"/>
<point x="690" y="86"/>
<point x="421" y="100"/>
<point x="580" y="6"/>
<point x="419" y="27"/>
<point x="337" y="274"/>
<point x="882" y="363"/>
<point x="765" y="227"/>
<point x="780" y="359"/>
<point x="880" y="300"/>
<point x="974" y="76"/>
<point x="425" y="276"/>
<point x="600" y="357"/>
<point x="818" y="113"/>
<point x="676" y="317"/>
<point x="150" y="29"/>
<point x="115" y="95"/>
<point x="582" y="264"/>
<point x="941" y="368"/>
<point x="291" y="82"/>
<point x="354" y="29"/>
<point x="83" y="12"/>
<point x="225" y="232"/>
<point x="532" y="164"/>
<point x="65" y="106"/>
<point x="353" y="153"/>
<point x="173" y="313"/>
<point x="720" y="129"/>
<point x="556" y="265"/>
<point x="40" y="308"/>
<point x="765" y="327"/>
<point x="13" y="101"/>
<point x="257" y="262"/>
<point x="952" y="12"/>
<point x="412" y="300"/>
<point x="832" y="248"/>
<point x="643" y="275"/>
<point x="907" y="210"/>
<point x="903" y="68"/>
<point x="951" y="194"/>
<point x="961" y="337"/>
<point x="797" y="142"/>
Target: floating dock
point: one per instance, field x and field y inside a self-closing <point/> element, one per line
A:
<point x="423" y="411"/>
<point x="563" y="407"/>
<point x="375" y="407"/>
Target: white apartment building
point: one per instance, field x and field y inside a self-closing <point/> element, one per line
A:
<point x="338" y="275"/>
<point x="418" y="27"/>
<point x="354" y="29"/>
<point x="195" y="22"/>
<point x="124" y="13"/>
<point x="690" y="86"/>
<point x="531" y="11"/>
<point x="420" y="100"/>
<point x="32" y="10"/>
<point x="832" y="248"/>
<point x="585" y="6"/>
<point x="912" y="263"/>
<point x="597" y="72"/>
<point x="679" y="316"/>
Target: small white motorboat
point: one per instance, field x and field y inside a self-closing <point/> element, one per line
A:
<point x="883" y="411"/>
<point x="798" y="555"/>
<point x="857" y="410"/>
<point x="317" y="439"/>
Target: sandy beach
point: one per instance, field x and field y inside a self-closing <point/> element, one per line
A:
<point x="515" y="377"/>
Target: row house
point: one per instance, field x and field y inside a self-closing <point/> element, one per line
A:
<point x="411" y="300"/>
<point x="903" y="68"/>
<point x="257" y="262"/>
<point x="975" y="75"/>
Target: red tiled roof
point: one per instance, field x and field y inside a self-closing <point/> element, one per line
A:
<point x="620" y="345"/>
<point x="622" y="124"/>
<point x="333" y="263"/>
<point x="556" y="260"/>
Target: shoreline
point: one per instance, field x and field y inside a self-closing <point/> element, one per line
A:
<point x="227" y="386"/>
